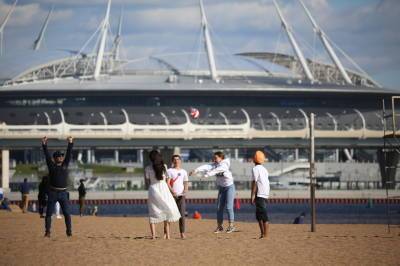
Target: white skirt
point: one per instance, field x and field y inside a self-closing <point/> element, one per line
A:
<point x="161" y="204"/>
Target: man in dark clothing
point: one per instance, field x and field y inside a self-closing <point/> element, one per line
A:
<point x="42" y="195"/>
<point x="299" y="219"/>
<point x="57" y="188"/>
<point x="82" y="194"/>
<point x="24" y="189"/>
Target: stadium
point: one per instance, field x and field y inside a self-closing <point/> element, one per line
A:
<point x="113" y="107"/>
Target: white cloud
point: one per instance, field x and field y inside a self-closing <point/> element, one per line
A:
<point x="136" y="3"/>
<point x="242" y="15"/>
<point x="64" y="14"/>
<point x="226" y="16"/>
<point x="183" y="18"/>
<point x="28" y="14"/>
<point x="23" y="15"/>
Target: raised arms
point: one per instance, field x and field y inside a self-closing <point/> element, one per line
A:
<point x="68" y="155"/>
<point x="69" y="151"/>
<point x="46" y="152"/>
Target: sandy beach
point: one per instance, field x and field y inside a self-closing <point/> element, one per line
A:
<point x="124" y="241"/>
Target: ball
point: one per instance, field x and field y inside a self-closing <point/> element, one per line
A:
<point x="194" y="113"/>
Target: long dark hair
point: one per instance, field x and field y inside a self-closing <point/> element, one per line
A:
<point x="158" y="164"/>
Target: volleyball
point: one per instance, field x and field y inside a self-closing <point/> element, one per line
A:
<point x="194" y="113"/>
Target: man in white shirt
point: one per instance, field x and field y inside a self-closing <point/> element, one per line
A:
<point x="260" y="192"/>
<point x="178" y="179"/>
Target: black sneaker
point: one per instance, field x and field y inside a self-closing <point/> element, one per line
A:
<point x="47" y="234"/>
<point x="218" y="230"/>
<point x="69" y="234"/>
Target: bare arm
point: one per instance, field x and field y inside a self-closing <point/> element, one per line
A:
<point x="253" y="191"/>
<point x="186" y="187"/>
<point x="170" y="187"/>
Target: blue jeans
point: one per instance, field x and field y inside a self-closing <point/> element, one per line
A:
<point x="226" y="196"/>
<point x="63" y="198"/>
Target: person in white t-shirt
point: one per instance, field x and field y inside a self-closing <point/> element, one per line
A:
<point x="178" y="179"/>
<point x="260" y="192"/>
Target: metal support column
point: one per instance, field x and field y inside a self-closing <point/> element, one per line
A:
<point x="5" y="170"/>
<point x="312" y="176"/>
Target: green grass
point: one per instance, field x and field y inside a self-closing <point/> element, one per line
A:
<point x="104" y="169"/>
<point x="26" y="169"/>
<point x="108" y="169"/>
<point x="138" y="171"/>
<point x="33" y="169"/>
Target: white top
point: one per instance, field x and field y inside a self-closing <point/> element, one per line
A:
<point x="221" y="170"/>
<point x="177" y="177"/>
<point x="161" y="204"/>
<point x="150" y="174"/>
<point x="260" y="176"/>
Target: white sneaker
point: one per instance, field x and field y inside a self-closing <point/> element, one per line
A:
<point x="59" y="217"/>
<point x="230" y="229"/>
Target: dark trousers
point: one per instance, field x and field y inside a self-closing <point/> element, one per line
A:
<point x="63" y="198"/>
<point x="181" y="203"/>
<point x="81" y="205"/>
<point x="42" y="204"/>
<point x="261" y="209"/>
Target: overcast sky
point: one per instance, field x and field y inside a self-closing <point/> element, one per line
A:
<point x="367" y="30"/>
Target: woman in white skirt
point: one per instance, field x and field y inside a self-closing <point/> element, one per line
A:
<point x="161" y="204"/>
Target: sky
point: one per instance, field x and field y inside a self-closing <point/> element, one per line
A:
<point x="367" y="30"/>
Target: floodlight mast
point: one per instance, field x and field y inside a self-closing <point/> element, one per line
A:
<point x="117" y="40"/>
<point x="327" y="45"/>
<point x="102" y="44"/>
<point x="208" y="44"/>
<point x="38" y="41"/>
<point x="3" y="25"/>
<point x="294" y="44"/>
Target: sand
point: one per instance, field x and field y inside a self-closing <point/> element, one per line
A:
<point x="124" y="241"/>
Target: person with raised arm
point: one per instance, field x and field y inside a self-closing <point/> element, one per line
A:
<point x="226" y="188"/>
<point x="57" y="184"/>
